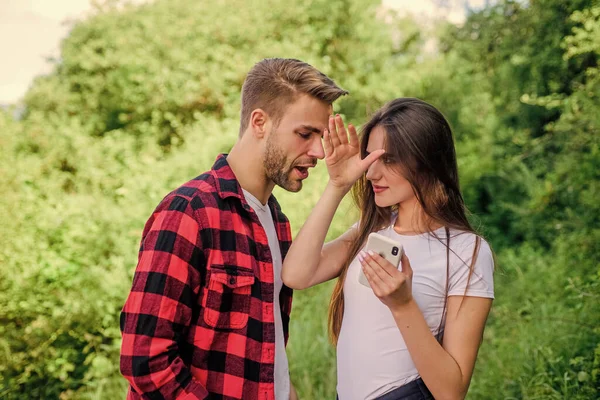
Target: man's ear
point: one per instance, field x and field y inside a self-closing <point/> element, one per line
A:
<point x="259" y="121"/>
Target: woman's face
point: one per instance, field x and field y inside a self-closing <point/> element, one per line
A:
<point x="388" y="184"/>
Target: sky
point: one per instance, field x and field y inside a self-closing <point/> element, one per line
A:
<point x="31" y="31"/>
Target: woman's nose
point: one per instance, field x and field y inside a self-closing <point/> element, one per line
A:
<point x="373" y="170"/>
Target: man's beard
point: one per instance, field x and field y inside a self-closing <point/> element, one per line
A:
<point x="275" y="166"/>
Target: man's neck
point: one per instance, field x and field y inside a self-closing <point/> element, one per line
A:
<point x="247" y="165"/>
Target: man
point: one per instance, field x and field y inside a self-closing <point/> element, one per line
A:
<point x="207" y="316"/>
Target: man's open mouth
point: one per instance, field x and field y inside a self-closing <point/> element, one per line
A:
<point x="302" y="171"/>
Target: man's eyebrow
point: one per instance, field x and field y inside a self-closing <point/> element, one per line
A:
<point x="311" y="128"/>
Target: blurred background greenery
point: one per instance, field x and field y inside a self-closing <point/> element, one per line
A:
<point x="143" y="98"/>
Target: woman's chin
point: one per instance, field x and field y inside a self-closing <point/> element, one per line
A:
<point x="382" y="202"/>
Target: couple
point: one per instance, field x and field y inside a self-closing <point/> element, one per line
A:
<point x="208" y="314"/>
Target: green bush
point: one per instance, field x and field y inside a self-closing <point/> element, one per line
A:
<point x="144" y="97"/>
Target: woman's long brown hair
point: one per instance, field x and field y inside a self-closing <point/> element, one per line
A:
<point x="420" y="140"/>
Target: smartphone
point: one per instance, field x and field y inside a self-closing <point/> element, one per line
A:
<point x="386" y="248"/>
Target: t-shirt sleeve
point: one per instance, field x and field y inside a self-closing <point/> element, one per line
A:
<point x="481" y="281"/>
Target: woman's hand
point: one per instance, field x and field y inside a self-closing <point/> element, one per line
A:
<point x="342" y="154"/>
<point x="392" y="286"/>
<point x="293" y="393"/>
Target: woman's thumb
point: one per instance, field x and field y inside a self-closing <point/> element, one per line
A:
<point x="406" y="268"/>
<point x="370" y="159"/>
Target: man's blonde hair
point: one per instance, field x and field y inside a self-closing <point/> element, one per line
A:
<point x="274" y="83"/>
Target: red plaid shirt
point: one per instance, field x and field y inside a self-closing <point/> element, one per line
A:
<point x="199" y="320"/>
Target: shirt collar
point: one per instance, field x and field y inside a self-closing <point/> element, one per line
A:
<point x="228" y="185"/>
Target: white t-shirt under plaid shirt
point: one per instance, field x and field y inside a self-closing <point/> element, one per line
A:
<point x="282" y="375"/>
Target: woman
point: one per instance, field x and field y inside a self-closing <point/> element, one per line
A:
<point x="415" y="333"/>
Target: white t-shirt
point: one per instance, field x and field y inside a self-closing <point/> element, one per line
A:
<point x="282" y="374"/>
<point x="372" y="358"/>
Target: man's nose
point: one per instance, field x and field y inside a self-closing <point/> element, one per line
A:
<point x="316" y="149"/>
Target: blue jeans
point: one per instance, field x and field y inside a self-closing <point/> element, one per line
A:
<point x="415" y="390"/>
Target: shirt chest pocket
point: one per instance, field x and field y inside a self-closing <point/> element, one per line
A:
<point x="226" y="302"/>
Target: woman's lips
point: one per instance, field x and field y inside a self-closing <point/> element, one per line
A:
<point x="379" y="189"/>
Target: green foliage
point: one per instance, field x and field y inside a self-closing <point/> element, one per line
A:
<point x="144" y="97"/>
<point x="537" y="192"/>
<point x="152" y="70"/>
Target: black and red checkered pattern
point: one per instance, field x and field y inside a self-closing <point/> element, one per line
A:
<point x="199" y="320"/>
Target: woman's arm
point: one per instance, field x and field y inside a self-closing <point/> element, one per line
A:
<point x="308" y="262"/>
<point x="446" y="370"/>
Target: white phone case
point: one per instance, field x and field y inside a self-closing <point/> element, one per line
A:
<point x="383" y="246"/>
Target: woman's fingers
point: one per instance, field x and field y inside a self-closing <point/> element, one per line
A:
<point x="378" y="274"/>
<point x="341" y="129"/>
<point x="387" y="266"/>
<point x="353" y="136"/>
<point x="374" y="280"/>
<point x="333" y="134"/>
<point x="377" y="262"/>
<point x="406" y="267"/>
<point x="390" y="285"/>
<point x="327" y="145"/>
